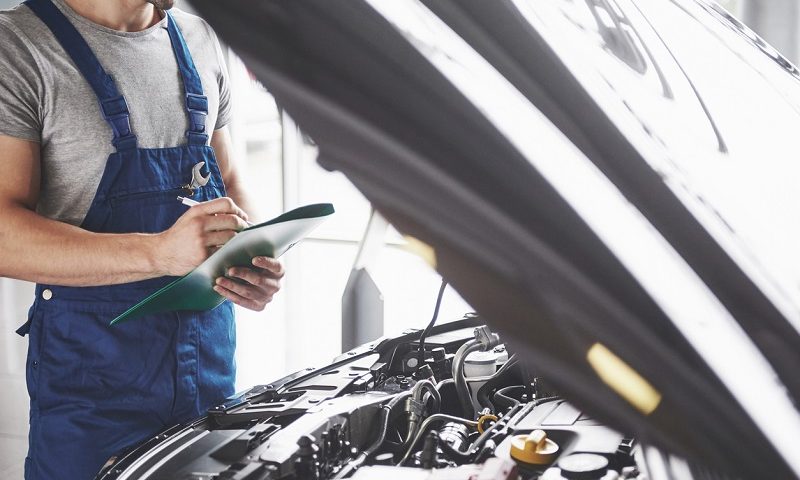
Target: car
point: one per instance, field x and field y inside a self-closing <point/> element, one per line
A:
<point x="611" y="184"/>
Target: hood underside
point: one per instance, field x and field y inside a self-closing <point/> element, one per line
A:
<point x="504" y="193"/>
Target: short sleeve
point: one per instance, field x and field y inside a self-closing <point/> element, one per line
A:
<point x="224" y="114"/>
<point x="20" y="87"/>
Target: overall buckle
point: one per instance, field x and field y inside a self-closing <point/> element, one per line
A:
<point x="116" y="113"/>
<point x="197" y="106"/>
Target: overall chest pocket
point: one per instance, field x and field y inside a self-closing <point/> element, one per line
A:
<point x="153" y="210"/>
<point x="149" y="211"/>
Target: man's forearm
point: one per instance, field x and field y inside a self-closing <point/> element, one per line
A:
<point x="41" y="250"/>
<point x="221" y="142"/>
<point x="236" y="191"/>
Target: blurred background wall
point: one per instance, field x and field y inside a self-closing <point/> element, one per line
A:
<point x="303" y="325"/>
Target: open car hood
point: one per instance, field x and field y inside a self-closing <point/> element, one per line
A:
<point x="554" y="154"/>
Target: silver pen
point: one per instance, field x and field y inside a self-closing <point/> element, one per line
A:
<point x="191" y="203"/>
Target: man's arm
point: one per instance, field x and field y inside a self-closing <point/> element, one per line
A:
<point x="252" y="288"/>
<point x="223" y="151"/>
<point x="41" y="250"/>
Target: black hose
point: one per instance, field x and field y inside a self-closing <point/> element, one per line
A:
<point x="486" y="388"/>
<point x="443" y="383"/>
<point x="502" y="396"/>
<point x="427" y="330"/>
<point x="386" y="411"/>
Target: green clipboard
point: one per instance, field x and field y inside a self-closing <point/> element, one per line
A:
<point x="194" y="291"/>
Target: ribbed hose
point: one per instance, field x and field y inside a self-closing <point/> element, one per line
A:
<point x="418" y="395"/>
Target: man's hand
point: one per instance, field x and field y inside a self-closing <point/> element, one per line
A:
<point x="252" y="287"/>
<point x="198" y="233"/>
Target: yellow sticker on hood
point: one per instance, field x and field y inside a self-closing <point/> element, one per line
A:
<point x="623" y="379"/>
<point x="421" y="249"/>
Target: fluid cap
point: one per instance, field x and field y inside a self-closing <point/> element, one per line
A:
<point x="583" y="466"/>
<point x="534" y="448"/>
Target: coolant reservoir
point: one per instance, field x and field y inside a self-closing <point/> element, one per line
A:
<point x="483" y="364"/>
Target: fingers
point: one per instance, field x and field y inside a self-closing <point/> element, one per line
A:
<point x="253" y="295"/>
<point x="240" y="300"/>
<point x="196" y="234"/>
<point x="218" y="237"/>
<point x="219" y="206"/>
<point x="269" y="264"/>
<point x="223" y="221"/>
<point x="255" y="276"/>
<point x="252" y="288"/>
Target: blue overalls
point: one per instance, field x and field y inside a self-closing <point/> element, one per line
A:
<point x="96" y="390"/>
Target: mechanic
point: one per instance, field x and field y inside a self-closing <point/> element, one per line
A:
<point x="109" y="110"/>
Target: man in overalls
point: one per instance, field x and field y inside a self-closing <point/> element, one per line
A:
<point x="109" y="110"/>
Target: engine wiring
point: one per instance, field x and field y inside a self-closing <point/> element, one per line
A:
<point x="427" y="331"/>
<point x="457" y="429"/>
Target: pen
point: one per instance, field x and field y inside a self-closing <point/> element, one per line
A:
<point x="191" y="203"/>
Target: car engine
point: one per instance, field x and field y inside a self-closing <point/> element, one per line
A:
<point x="454" y="405"/>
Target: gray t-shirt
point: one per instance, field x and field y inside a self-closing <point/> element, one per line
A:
<point x="44" y="98"/>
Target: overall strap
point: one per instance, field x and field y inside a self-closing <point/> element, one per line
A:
<point x="112" y="103"/>
<point x="196" y="101"/>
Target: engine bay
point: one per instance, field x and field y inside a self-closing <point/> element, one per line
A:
<point x="455" y="405"/>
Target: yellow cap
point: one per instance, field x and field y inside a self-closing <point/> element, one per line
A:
<point x="534" y="448"/>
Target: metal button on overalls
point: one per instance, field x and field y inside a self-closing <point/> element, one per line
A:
<point x="96" y="390"/>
